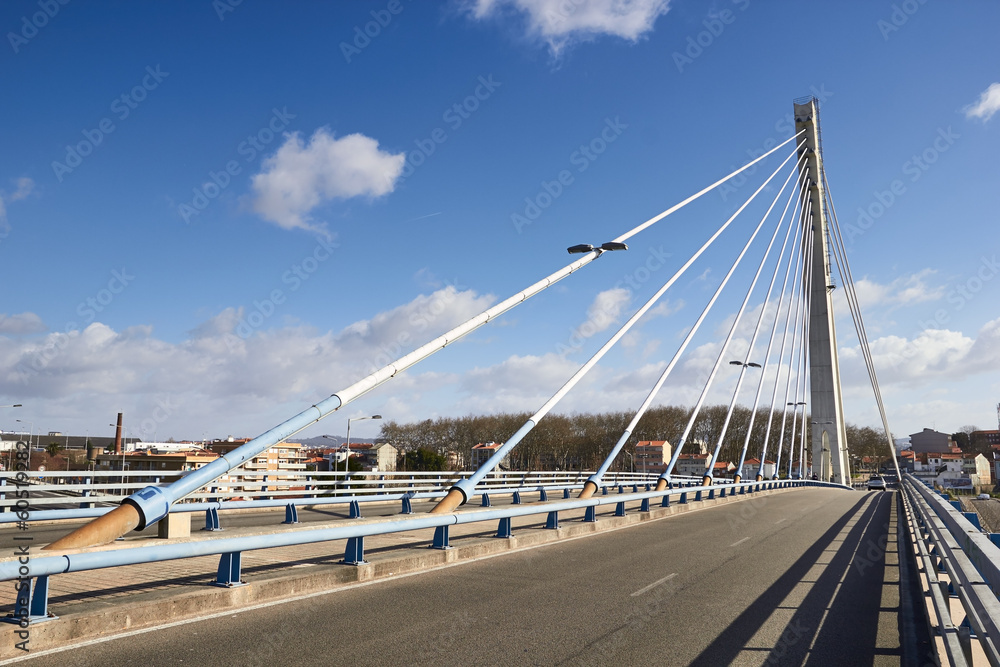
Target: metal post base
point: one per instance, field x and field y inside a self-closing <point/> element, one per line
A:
<point x="441" y="540"/>
<point x="291" y="513"/>
<point x="32" y="604"/>
<point x="229" y="574"/>
<point x="354" y="554"/>
<point x="212" y="520"/>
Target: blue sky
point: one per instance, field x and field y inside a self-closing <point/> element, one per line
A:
<point x="213" y="215"/>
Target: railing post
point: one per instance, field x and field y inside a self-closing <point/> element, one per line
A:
<point x="517" y="498"/>
<point x="354" y="554"/>
<point x="590" y="515"/>
<point x="441" y="540"/>
<point x="504" y="528"/>
<point x="212" y="519"/>
<point x="542" y="496"/>
<point x="486" y="500"/>
<point x="620" y="509"/>
<point x="407" y="505"/>
<point x="291" y="513"/>
<point x="552" y="521"/>
<point x="229" y="574"/>
<point x="355" y="509"/>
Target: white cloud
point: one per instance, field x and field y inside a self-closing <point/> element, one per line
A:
<point x="932" y="356"/>
<point x="559" y="22"/>
<point x="22" y="323"/>
<point x="24" y="188"/>
<point x="218" y="379"/>
<point x="905" y="290"/>
<point x="988" y="104"/>
<point x="301" y="177"/>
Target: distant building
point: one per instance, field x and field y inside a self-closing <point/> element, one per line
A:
<point x="751" y="466"/>
<point x="376" y="457"/>
<point x="930" y="441"/>
<point x="977" y="469"/>
<point x="284" y="456"/>
<point x="166" y="463"/>
<point x="695" y="465"/>
<point x="992" y="437"/>
<point x="652" y="456"/>
<point x="483" y="451"/>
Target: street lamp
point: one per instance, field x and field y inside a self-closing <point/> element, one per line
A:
<point x="586" y="247"/>
<point x="348" y="446"/>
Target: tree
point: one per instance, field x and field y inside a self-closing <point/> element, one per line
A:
<point x="424" y="459"/>
<point x="53" y="448"/>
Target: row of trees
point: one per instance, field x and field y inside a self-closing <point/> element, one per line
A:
<point x="583" y="441"/>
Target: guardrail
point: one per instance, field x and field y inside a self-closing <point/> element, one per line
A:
<point x="289" y="489"/>
<point x="33" y="575"/>
<point x="957" y="562"/>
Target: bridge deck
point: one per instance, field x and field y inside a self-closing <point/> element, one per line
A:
<point x="803" y="577"/>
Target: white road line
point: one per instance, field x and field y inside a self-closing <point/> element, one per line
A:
<point x="740" y="542"/>
<point x="654" y="584"/>
<point x="780" y="520"/>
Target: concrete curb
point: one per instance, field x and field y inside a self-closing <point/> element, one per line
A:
<point x="99" y="619"/>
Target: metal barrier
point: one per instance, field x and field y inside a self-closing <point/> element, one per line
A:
<point x="287" y="488"/>
<point x="33" y="576"/>
<point x="957" y="562"/>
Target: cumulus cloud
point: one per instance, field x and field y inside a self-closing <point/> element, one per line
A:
<point x="987" y="105"/>
<point x="302" y="176"/>
<point x="931" y="356"/>
<point x="904" y="290"/>
<point x="22" y="323"/>
<point x="559" y="22"/>
<point x="225" y="374"/>
<point x="24" y="186"/>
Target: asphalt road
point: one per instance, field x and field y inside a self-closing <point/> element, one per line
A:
<point x="795" y="578"/>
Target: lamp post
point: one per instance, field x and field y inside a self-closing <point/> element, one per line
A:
<point x="11" y="460"/>
<point x="348" y="446"/>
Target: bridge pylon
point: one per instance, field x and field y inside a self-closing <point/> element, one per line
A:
<point x="829" y="436"/>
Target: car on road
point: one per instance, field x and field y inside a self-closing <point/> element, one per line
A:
<point x="876" y="482"/>
<point x="983" y="496"/>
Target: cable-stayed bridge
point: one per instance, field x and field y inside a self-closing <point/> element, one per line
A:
<point x="794" y="536"/>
